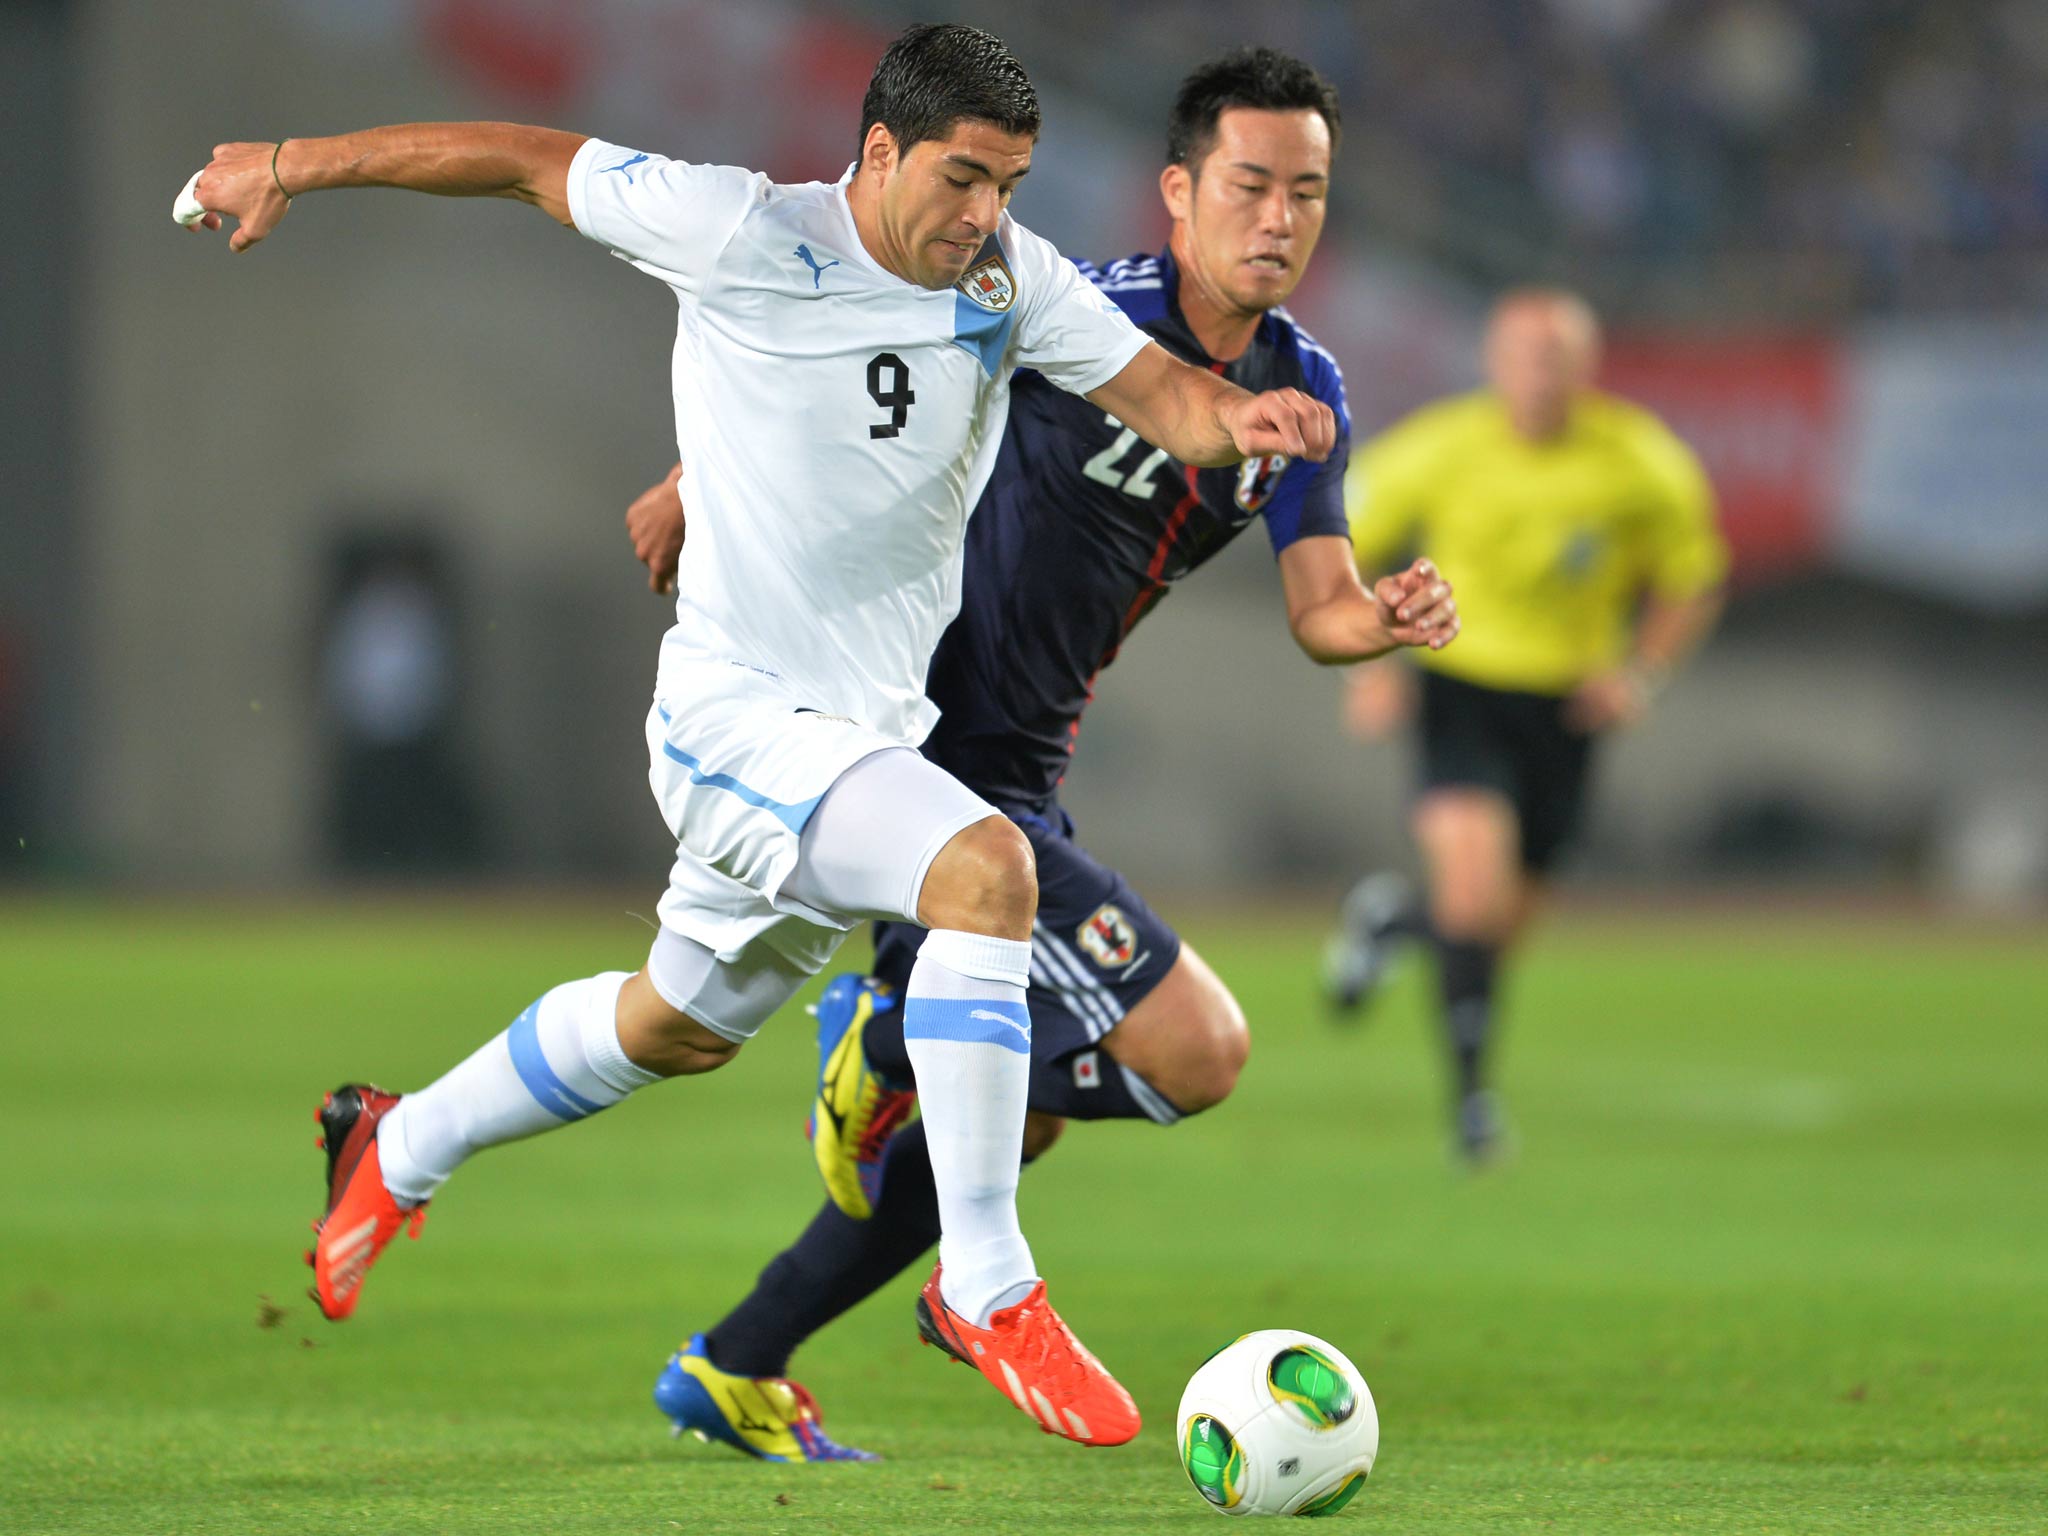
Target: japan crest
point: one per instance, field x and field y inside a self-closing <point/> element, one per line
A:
<point x="1108" y="937"/>
<point x="1257" y="477"/>
<point x="988" y="282"/>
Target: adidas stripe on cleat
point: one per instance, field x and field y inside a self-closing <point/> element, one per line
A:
<point x="362" y="1217"/>
<point x="767" y="1417"/>
<point x="1035" y="1361"/>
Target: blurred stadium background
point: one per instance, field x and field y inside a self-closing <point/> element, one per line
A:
<point x="313" y="565"/>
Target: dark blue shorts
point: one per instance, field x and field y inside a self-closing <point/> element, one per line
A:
<point x="1096" y="951"/>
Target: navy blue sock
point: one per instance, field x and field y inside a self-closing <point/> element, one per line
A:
<point x="837" y="1263"/>
<point x="1465" y="975"/>
<point x="882" y="1042"/>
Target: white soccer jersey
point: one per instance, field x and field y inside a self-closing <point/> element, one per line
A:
<point x="836" y="423"/>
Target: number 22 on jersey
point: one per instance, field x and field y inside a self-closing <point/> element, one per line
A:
<point x="1104" y="467"/>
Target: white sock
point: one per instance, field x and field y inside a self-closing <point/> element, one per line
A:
<point x="968" y="1034"/>
<point x="560" y="1062"/>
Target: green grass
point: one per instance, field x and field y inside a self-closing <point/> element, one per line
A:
<point x="1774" y="1257"/>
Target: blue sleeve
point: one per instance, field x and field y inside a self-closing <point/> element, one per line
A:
<point x="1309" y="500"/>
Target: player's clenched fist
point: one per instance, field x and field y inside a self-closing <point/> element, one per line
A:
<point x="1416" y="606"/>
<point x="655" y="524"/>
<point x="242" y="182"/>
<point x="1282" y="421"/>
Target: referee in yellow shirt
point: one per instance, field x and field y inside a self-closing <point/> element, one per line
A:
<point x="1581" y="535"/>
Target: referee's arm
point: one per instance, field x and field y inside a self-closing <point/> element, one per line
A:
<point x="1686" y="590"/>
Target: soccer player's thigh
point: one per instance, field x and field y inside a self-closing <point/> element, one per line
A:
<point x="1125" y="983"/>
<point x="1466" y="819"/>
<point x="898" y="838"/>
<point x="1187" y="1037"/>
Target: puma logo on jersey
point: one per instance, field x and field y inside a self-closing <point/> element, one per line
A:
<point x="817" y="272"/>
<point x="623" y="166"/>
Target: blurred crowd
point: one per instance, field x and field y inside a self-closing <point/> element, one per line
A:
<point x="1688" y="156"/>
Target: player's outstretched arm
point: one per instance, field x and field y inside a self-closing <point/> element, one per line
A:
<point x="1202" y="419"/>
<point x="255" y="183"/>
<point x="1336" y="618"/>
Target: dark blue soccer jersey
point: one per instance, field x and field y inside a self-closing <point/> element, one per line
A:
<point x="1083" y="528"/>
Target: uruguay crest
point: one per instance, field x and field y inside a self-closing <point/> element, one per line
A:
<point x="988" y="282"/>
<point x="1108" y="937"/>
<point x="1257" y="477"/>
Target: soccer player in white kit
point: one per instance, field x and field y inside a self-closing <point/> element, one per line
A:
<point x="841" y="378"/>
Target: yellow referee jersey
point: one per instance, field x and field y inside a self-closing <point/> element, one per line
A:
<point x="1550" y="546"/>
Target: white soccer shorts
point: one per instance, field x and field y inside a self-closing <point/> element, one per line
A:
<point x="791" y="827"/>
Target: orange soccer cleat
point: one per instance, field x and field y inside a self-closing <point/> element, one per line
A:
<point x="1037" y="1362"/>
<point x="361" y="1215"/>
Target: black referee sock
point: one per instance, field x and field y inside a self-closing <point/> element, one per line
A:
<point x="836" y="1264"/>
<point x="1465" y="975"/>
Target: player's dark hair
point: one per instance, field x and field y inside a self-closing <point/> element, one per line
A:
<point x="1262" y="78"/>
<point x="938" y="74"/>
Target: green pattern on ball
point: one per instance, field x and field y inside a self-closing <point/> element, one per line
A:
<point x="1314" y="1384"/>
<point x="1335" y="1499"/>
<point x="1215" y="1464"/>
<point x="1222" y="1347"/>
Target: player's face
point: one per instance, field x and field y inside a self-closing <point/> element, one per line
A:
<point x="1540" y="353"/>
<point x="1254" y="212"/>
<point x="943" y="199"/>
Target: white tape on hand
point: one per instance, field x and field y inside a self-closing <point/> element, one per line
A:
<point x="188" y="210"/>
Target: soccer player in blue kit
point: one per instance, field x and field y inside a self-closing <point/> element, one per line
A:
<point x="1082" y="530"/>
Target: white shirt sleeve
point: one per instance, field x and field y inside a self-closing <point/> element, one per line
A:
<point x="666" y="216"/>
<point x="1069" y="331"/>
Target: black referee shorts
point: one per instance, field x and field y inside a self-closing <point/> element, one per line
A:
<point x="1516" y="744"/>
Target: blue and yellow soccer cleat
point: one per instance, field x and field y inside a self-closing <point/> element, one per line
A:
<point x="857" y="1110"/>
<point x="766" y="1417"/>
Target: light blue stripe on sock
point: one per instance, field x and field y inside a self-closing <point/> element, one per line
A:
<point x="970" y="1021"/>
<point x="552" y="1094"/>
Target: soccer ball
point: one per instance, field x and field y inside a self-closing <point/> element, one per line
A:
<point x="1278" y="1423"/>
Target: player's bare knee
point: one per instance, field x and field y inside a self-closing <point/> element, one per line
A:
<point x="984" y="881"/>
<point x="1230" y="1047"/>
<point x="1193" y="1056"/>
<point x="1040" y="1132"/>
<point x="660" y="1037"/>
<point x="1473" y="912"/>
<point x="1217" y="1046"/>
<point x="688" y="1051"/>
